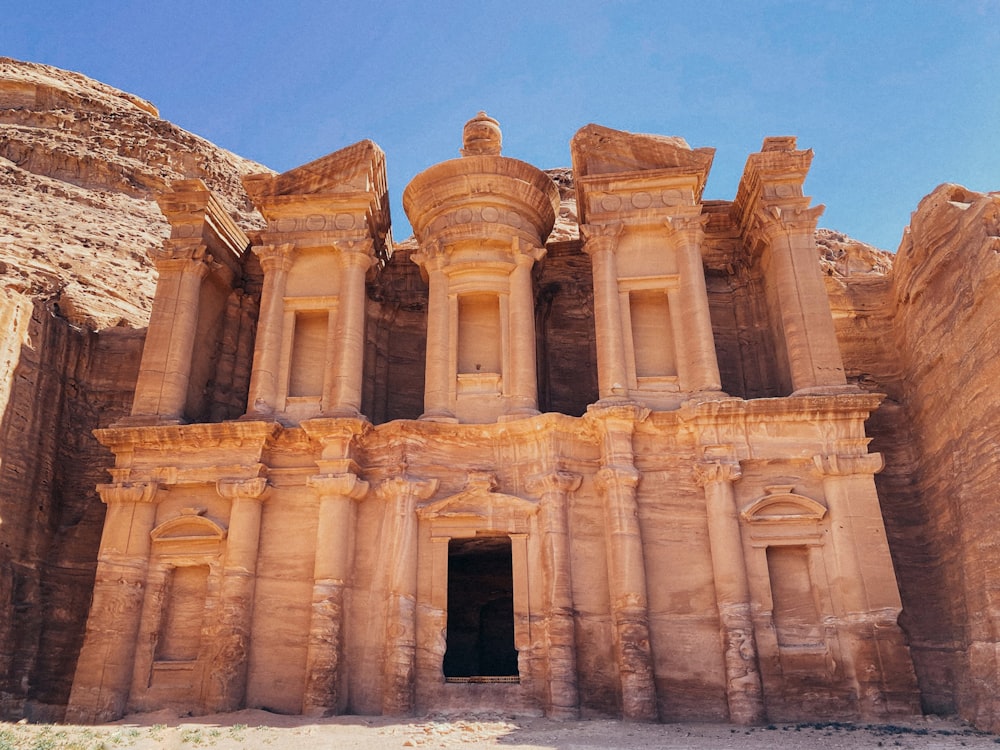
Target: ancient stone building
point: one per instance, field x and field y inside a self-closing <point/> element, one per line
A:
<point x="615" y="470"/>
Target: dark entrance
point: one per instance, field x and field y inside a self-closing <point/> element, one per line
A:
<point x="480" y="610"/>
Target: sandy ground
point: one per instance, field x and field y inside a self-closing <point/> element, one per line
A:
<point x="259" y="729"/>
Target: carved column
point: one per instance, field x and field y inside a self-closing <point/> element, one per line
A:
<point x="698" y="366"/>
<point x="226" y="690"/>
<point x="563" y="699"/>
<point x="402" y="495"/>
<point x="814" y="360"/>
<point x="438" y="371"/>
<point x="338" y="494"/>
<point x="104" y="669"/>
<point x="523" y="386"/>
<point x="600" y="241"/>
<point x="344" y="399"/>
<point x="732" y="591"/>
<point x="876" y="655"/>
<point x="276" y="261"/>
<point x="165" y="372"/>
<point x="618" y="479"/>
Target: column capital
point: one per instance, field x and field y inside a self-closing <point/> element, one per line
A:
<point x="128" y="492"/>
<point x="598" y="237"/>
<point x="255" y="488"/>
<point x="406" y="485"/>
<point x="623" y="476"/>
<point x="526" y="252"/>
<point x="431" y="255"/>
<point x="276" y="257"/>
<point x="347" y="485"/>
<point x="686" y="226"/>
<point x="553" y="482"/>
<point x="182" y="255"/>
<point x="707" y="472"/>
<point x="844" y="466"/>
<point x="358" y="253"/>
<point x="773" y="221"/>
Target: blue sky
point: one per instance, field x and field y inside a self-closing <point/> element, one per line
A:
<point x="894" y="97"/>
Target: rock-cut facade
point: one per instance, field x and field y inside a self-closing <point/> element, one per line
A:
<point x="615" y="470"/>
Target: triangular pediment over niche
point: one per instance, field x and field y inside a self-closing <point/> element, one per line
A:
<point x="598" y="150"/>
<point x="356" y="168"/>
<point x="491" y="508"/>
<point x="785" y="506"/>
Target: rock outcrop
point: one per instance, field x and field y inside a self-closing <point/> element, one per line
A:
<point x="80" y="166"/>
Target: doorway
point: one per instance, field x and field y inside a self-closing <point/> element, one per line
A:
<point x="480" y="633"/>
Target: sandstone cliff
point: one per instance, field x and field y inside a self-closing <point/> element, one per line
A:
<point x="80" y="165"/>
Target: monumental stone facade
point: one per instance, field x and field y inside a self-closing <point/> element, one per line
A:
<point x="615" y="470"/>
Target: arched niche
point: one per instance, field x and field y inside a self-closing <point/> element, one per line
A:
<point x="783" y="506"/>
<point x="189" y="527"/>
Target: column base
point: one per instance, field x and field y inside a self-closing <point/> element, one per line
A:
<point x="515" y="414"/>
<point x="828" y="390"/>
<point x="342" y="412"/>
<point x="445" y="417"/>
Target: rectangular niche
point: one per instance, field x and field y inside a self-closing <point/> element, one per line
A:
<point x="652" y="334"/>
<point x="183" y="611"/>
<point x="480" y="343"/>
<point x="480" y="631"/>
<point x="308" y="361"/>
<point x="795" y="611"/>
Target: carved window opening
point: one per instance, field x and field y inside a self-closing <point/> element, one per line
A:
<point x="480" y="344"/>
<point x="308" y="362"/>
<point x="652" y="336"/>
<point x="183" y="611"/>
<point x="796" y="613"/>
<point x="480" y="632"/>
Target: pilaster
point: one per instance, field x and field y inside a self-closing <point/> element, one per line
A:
<point x="276" y="261"/>
<point x="617" y="480"/>
<point x="554" y="488"/>
<point x="779" y="227"/>
<point x="599" y="242"/>
<point x="344" y="397"/>
<point x="338" y="495"/>
<point x="878" y="658"/>
<point x="744" y="691"/>
<point x="401" y="495"/>
<point x="227" y="682"/>
<point x="698" y="366"/>
<point x="104" y="669"/>
<point x="165" y="371"/>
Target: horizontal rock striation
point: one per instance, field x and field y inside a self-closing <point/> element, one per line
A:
<point x="80" y="166"/>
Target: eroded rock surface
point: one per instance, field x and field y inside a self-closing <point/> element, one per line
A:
<point x="80" y="166"/>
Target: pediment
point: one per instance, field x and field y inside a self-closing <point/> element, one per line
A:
<point x="357" y="168"/>
<point x="188" y="527"/>
<point x="784" y="507"/>
<point x="597" y="150"/>
<point x="491" y="508"/>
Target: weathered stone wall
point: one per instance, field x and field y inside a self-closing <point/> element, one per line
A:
<point x="947" y="280"/>
<point x="63" y="382"/>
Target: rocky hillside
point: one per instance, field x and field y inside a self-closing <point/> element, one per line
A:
<point x="80" y="165"/>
